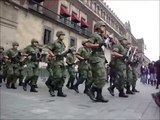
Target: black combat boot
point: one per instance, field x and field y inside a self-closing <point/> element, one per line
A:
<point x="8" y="85"/>
<point x="111" y="90"/>
<point x="75" y="87"/>
<point x="91" y="93"/>
<point x="67" y="85"/>
<point x="129" y="91"/>
<point x="86" y="89"/>
<point x="121" y="94"/>
<point x="99" y="97"/>
<point x="25" y="85"/>
<point x="13" y="86"/>
<point x="51" y="92"/>
<point x="20" y="83"/>
<point x="134" y="90"/>
<point x="60" y="93"/>
<point x="33" y="89"/>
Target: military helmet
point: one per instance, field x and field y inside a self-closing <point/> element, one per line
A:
<point x="73" y="49"/>
<point x="15" y="44"/>
<point x="84" y="41"/>
<point x="34" y="41"/>
<point x="59" y="33"/>
<point x="122" y="38"/>
<point x="99" y="24"/>
<point x="1" y="48"/>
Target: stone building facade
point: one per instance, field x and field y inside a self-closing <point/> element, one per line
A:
<point x="22" y="20"/>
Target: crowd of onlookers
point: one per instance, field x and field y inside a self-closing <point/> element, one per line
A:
<point x="148" y="74"/>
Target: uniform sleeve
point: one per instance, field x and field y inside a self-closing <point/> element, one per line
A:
<point x="79" y="52"/>
<point x="115" y="48"/>
<point x="92" y="39"/>
<point x="49" y="46"/>
<point x="68" y="59"/>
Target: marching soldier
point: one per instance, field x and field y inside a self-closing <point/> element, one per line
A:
<point x="70" y="60"/>
<point x="118" y="58"/>
<point x="31" y="69"/>
<point x="129" y="71"/>
<point x="58" y="67"/>
<point x="97" y="62"/>
<point x="1" y="64"/>
<point x="84" y="68"/>
<point x="134" y="65"/>
<point x="13" y="66"/>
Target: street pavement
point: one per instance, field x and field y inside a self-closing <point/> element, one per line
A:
<point x="20" y="105"/>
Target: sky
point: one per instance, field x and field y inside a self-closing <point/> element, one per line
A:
<point x="144" y="17"/>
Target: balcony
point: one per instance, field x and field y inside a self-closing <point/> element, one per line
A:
<point x="36" y="7"/>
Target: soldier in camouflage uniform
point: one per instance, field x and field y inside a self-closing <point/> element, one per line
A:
<point x="1" y="63"/>
<point x="129" y="72"/>
<point x="97" y="62"/>
<point x="31" y="70"/>
<point x="118" y="58"/>
<point x="70" y="60"/>
<point x="134" y="65"/>
<point x="13" y="66"/>
<point x="58" y="67"/>
<point x="84" y="68"/>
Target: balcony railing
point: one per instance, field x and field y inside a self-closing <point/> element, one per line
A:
<point x="61" y="19"/>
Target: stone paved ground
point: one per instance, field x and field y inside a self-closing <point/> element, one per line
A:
<point x="18" y="104"/>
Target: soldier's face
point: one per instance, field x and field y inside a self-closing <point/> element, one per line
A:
<point x="102" y="28"/>
<point x="15" y="46"/>
<point x="61" y="37"/>
<point x="35" y="44"/>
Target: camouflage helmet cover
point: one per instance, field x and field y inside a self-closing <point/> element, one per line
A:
<point x="34" y="41"/>
<point x="99" y="24"/>
<point x="84" y="41"/>
<point x="59" y="33"/>
<point x="15" y="44"/>
<point x="2" y="48"/>
<point x="122" y="38"/>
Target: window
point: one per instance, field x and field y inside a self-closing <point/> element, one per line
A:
<point x="94" y="7"/>
<point x="98" y="9"/>
<point x="73" y="42"/>
<point x="47" y="36"/>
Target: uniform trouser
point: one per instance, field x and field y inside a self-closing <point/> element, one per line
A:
<point x="112" y="77"/>
<point x="12" y="74"/>
<point x="1" y="77"/>
<point x="134" y="80"/>
<point x="59" y="74"/>
<point x="31" y="74"/>
<point x="72" y="75"/>
<point x="120" y="80"/>
<point x="84" y="75"/>
<point x="21" y="77"/>
<point x="129" y="79"/>
<point x="98" y="74"/>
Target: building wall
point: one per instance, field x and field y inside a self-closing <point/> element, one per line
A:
<point x="8" y="23"/>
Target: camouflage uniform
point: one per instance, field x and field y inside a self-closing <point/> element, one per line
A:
<point x="1" y="64"/>
<point x="13" y="66"/>
<point x="97" y="62"/>
<point x="31" y="69"/>
<point x="120" y="68"/>
<point x="84" y="69"/>
<point x="129" y="76"/>
<point x="134" y="65"/>
<point x="70" y="60"/>
<point x="58" y="67"/>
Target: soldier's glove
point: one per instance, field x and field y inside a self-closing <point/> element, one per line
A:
<point x="102" y="44"/>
